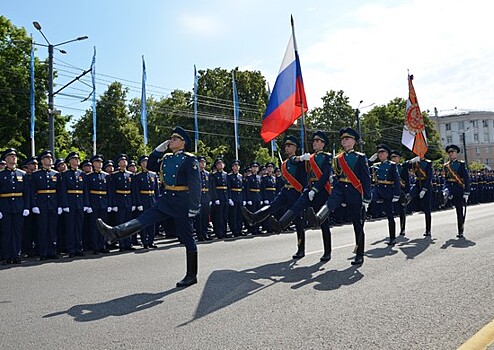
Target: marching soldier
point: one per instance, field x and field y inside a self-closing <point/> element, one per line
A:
<point x="202" y="220"/>
<point x="387" y="188"/>
<point x="235" y="199"/>
<point x="352" y="188"/>
<point x="121" y="194"/>
<point x="45" y="201"/>
<point x="145" y="193"/>
<point x="401" y="205"/>
<point x="29" y="235"/>
<point x="61" y="167"/>
<point x="421" y="191"/>
<point x="252" y="187"/>
<point x="14" y="206"/>
<point x="97" y="191"/>
<point x="294" y="172"/>
<point x="457" y="184"/>
<point x="74" y="204"/>
<point x="180" y="200"/>
<point x="219" y="197"/>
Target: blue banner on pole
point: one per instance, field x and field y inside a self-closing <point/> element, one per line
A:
<point x="144" y="112"/>
<point x="236" y="112"/>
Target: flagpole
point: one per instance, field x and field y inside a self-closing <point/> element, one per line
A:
<point x="196" y="124"/>
<point x="303" y="133"/>
<point x="32" y="100"/>
<point x="93" y="79"/>
<point x="235" y="112"/>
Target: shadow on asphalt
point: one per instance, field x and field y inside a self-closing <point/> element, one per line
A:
<point x="415" y="247"/>
<point x="458" y="243"/>
<point x="226" y="287"/>
<point x="116" y="307"/>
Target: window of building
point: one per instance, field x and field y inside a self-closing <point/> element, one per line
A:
<point x="486" y="136"/>
<point x="448" y="126"/>
<point x="475" y="123"/>
<point x="461" y="125"/>
<point x="485" y="124"/>
<point x="477" y="150"/>
<point x="476" y="138"/>
<point x="449" y="140"/>
<point x="487" y="149"/>
<point x="462" y="136"/>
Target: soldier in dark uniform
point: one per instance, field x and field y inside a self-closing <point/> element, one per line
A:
<point x="74" y="203"/>
<point x="61" y="167"/>
<point x="401" y="205"/>
<point x="268" y="190"/>
<point x="109" y="167"/>
<point x="45" y="201"/>
<point x="121" y="195"/>
<point x="97" y="191"/>
<point x="352" y="188"/>
<point x="14" y="206"/>
<point x="252" y="194"/>
<point x="294" y="172"/>
<point x="29" y="234"/>
<point x="180" y="200"/>
<point x="421" y="191"/>
<point x="235" y="199"/>
<point x="219" y="197"/>
<point x="457" y="184"/>
<point x="387" y="189"/>
<point x="86" y="166"/>
<point x="145" y="194"/>
<point x="201" y="221"/>
<point x="132" y="167"/>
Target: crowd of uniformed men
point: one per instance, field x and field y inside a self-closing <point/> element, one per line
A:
<point x="51" y="207"/>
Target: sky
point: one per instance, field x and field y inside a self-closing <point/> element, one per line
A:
<point x="363" y="47"/>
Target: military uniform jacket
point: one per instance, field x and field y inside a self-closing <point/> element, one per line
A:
<point x="457" y="179"/>
<point x="45" y="189"/>
<point x="205" y="187"/>
<point x="219" y="186"/>
<point x="358" y="164"/>
<point x="180" y="180"/>
<point x="423" y="173"/>
<point x="14" y="191"/>
<point x="268" y="187"/>
<point x="121" y="189"/>
<point x="252" y="188"/>
<point x="145" y="188"/>
<point x="72" y="194"/>
<point x="323" y="161"/>
<point x="386" y="179"/>
<point x="235" y="187"/>
<point x="296" y="170"/>
<point x="97" y="190"/>
<point x="404" y="178"/>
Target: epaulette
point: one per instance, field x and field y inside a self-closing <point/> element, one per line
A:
<point x="360" y="153"/>
<point x="168" y="154"/>
<point x="21" y="171"/>
<point x="428" y="160"/>
<point x="391" y="162"/>
<point x="461" y="161"/>
<point x="190" y="154"/>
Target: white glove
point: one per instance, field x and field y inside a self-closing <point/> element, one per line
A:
<point x="244" y="203"/>
<point x="365" y="205"/>
<point x="230" y="203"/>
<point x="108" y="210"/>
<point x="422" y="194"/>
<point x="25" y="212"/>
<point x="266" y="201"/>
<point x="395" y="199"/>
<point x="133" y="208"/>
<point x="217" y="202"/>
<point x="85" y="209"/>
<point x="415" y="159"/>
<point x="261" y="203"/>
<point x="249" y="202"/>
<point x="1" y="215"/>
<point x="59" y="211"/>
<point x="66" y="209"/>
<point x="312" y="194"/>
<point x="305" y="156"/>
<point x="373" y="157"/>
<point x="140" y="208"/>
<point x="115" y="209"/>
<point x="35" y="210"/>
<point x="163" y="146"/>
<point x="343" y="205"/>
<point x="210" y="203"/>
<point x="465" y="197"/>
<point x="192" y="213"/>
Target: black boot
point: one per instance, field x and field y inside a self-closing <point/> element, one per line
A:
<point x="326" y="240"/>
<point x="257" y="217"/>
<point x="359" y="260"/>
<point x="460" y="227"/>
<point x="403" y="218"/>
<point x="392" y="232"/>
<point x="283" y="223"/>
<point x="315" y="220"/>
<point x="428" y="220"/>
<point x="191" y="276"/>
<point x="112" y="234"/>
<point x="300" y="244"/>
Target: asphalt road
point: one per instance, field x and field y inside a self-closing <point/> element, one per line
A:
<point x="421" y="294"/>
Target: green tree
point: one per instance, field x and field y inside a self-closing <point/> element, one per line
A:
<point x="117" y="132"/>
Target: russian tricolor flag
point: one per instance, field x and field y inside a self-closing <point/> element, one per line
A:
<point x="287" y="101"/>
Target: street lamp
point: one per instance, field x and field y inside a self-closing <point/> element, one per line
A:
<point x="51" y="119"/>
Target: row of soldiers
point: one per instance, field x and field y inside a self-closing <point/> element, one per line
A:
<point x="234" y="200"/>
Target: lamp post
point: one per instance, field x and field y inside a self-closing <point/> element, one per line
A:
<point x="51" y="118"/>
<point x="357" y="114"/>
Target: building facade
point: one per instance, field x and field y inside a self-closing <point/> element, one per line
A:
<point x="470" y="130"/>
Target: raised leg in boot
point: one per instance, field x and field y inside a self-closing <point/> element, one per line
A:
<point x="114" y="233"/>
<point x="257" y="217"/>
<point x="315" y="220"/>
<point x="283" y="223"/>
